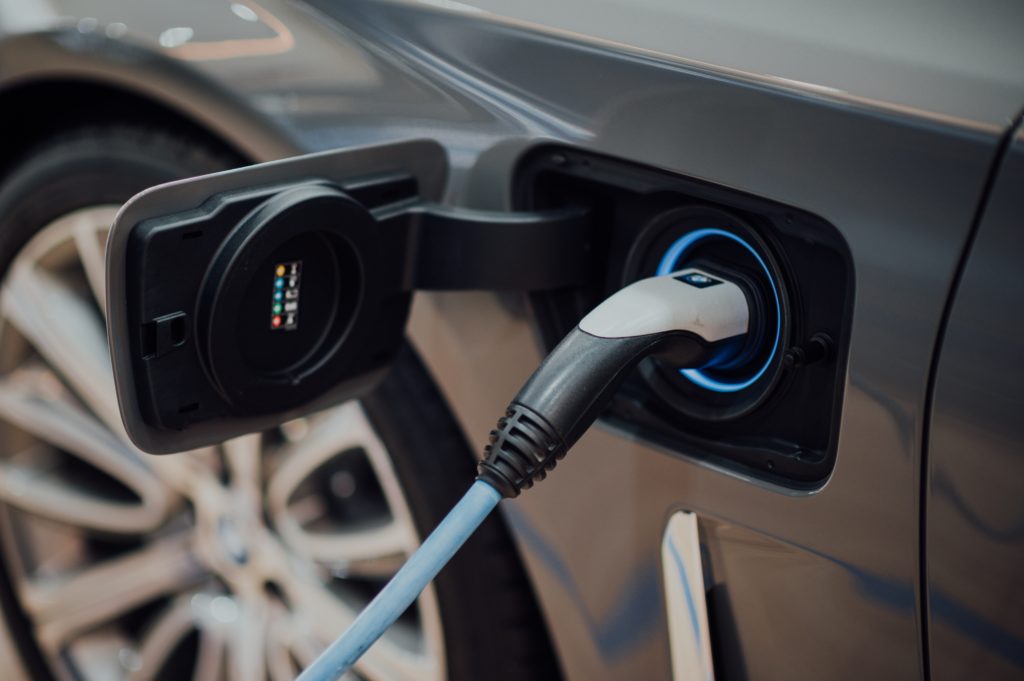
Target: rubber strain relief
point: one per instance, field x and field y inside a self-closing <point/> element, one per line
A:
<point x="523" y="448"/>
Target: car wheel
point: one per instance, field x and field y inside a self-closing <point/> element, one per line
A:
<point x="239" y="561"/>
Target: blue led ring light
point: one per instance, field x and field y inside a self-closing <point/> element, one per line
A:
<point x="669" y="263"/>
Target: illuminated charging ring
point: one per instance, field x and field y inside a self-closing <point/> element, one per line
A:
<point x="670" y="263"/>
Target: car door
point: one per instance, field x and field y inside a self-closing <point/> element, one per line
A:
<point x="973" y="522"/>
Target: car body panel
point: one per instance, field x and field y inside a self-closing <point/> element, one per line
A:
<point x="975" y="513"/>
<point x="877" y="138"/>
<point x="941" y="60"/>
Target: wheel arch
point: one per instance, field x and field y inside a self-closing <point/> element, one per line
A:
<point x="51" y="80"/>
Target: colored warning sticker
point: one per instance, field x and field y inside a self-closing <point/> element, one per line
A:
<point x="284" y="304"/>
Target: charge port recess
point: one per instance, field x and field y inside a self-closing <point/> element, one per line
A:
<point x="764" y="414"/>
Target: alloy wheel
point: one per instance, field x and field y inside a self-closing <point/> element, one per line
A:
<point x="234" y="562"/>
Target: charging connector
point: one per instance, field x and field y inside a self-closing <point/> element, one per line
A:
<point x="691" y="318"/>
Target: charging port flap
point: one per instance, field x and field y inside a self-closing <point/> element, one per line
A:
<point x="245" y="298"/>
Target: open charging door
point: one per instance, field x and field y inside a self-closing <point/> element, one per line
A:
<point x="249" y="297"/>
<point x="239" y="300"/>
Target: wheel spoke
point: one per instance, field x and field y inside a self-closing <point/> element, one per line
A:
<point x="288" y="642"/>
<point x="192" y="474"/>
<point x="329" y="434"/>
<point x="375" y="549"/>
<point x="326" y="617"/>
<point x="372" y="552"/>
<point x="62" y="607"/>
<point x="22" y="487"/>
<point x="25" y="482"/>
<point x="90" y="228"/>
<point x="247" y="641"/>
<point x="161" y="641"/>
<point x="279" y="659"/>
<point x="210" y="658"/>
<point x="67" y="332"/>
<point x="244" y="456"/>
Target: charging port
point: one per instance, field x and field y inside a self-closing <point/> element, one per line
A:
<point x="768" y="411"/>
<point x="710" y="238"/>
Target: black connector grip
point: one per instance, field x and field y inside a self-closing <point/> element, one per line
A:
<point x="522" y="449"/>
<point x="567" y="393"/>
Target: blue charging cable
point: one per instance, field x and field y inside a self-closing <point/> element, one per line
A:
<point x="406" y="585"/>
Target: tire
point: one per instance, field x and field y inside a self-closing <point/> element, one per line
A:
<point x="491" y="626"/>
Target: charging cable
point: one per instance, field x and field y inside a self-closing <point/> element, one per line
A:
<point x="691" y="318"/>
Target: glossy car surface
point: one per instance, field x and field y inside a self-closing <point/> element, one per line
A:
<point x="894" y="123"/>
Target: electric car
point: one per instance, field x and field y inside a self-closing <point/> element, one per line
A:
<point x="843" y="503"/>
